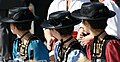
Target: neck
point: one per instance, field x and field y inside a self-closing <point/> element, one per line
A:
<point x="25" y="37"/>
<point x="20" y="33"/>
<point x="69" y="41"/>
<point x="65" y="38"/>
<point x="98" y="31"/>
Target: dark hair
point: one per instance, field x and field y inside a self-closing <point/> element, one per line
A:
<point x="23" y="25"/>
<point x="98" y="24"/>
<point x="65" y="31"/>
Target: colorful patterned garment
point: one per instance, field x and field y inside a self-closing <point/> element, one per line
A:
<point x="112" y="50"/>
<point x="40" y="50"/>
<point x="69" y="55"/>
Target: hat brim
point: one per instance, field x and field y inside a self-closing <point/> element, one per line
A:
<point x="77" y="15"/>
<point x="8" y="20"/>
<point x="47" y="25"/>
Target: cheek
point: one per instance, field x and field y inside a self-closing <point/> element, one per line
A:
<point x="86" y="28"/>
<point x="54" y="34"/>
<point x="51" y="33"/>
<point x="12" y="29"/>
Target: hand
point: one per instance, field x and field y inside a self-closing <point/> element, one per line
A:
<point x="80" y="33"/>
<point x="85" y="39"/>
<point x="83" y="36"/>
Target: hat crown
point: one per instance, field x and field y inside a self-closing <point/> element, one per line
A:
<point x="93" y="11"/>
<point x="60" y="19"/>
<point x="59" y="15"/>
<point x="20" y="13"/>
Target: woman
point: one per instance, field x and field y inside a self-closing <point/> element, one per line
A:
<point x="60" y="5"/>
<point x="103" y="47"/>
<point x="113" y="27"/>
<point x="26" y="44"/>
<point x="61" y="26"/>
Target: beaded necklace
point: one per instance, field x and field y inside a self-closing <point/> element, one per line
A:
<point x="22" y="48"/>
<point x="61" y="47"/>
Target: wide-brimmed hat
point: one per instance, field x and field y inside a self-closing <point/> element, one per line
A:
<point x="19" y="14"/>
<point x="93" y="11"/>
<point x="60" y="19"/>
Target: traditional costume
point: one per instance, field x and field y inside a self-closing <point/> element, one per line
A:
<point x="106" y="49"/>
<point x="33" y="47"/>
<point x="63" y="20"/>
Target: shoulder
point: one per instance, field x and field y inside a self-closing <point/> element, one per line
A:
<point x="35" y="41"/>
<point x="114" y="42"/>
<point x="75" y="48"/>
<point x="15" y="41"/>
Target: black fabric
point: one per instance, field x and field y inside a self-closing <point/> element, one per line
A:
<point x="76" y="45"/>
<point x="72" y="46"/>
<point x="61" y="55"/>
<point x="19" y="14"/>
<point x="60" y="19"/>
<point x="7" y="4"/>
<point x="93" y="11"/>
<point x="41" y="9"/>
<point x="102" y="57"/>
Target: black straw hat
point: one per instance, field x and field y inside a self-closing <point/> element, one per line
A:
<point x="19" y="14"/>
<point x="93" y="11"/>
<point x="60" y="19"/>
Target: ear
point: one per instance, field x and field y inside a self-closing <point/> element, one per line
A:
<point x="14" y="26"/>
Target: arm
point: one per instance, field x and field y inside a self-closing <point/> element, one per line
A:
<point x="14" y="52"/>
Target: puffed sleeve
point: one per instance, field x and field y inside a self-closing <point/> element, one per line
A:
<point x="113" y="51"/>
<point x="14" y="52"/>
<point x="40" y="50"/>
<point x="73" y="56"/>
